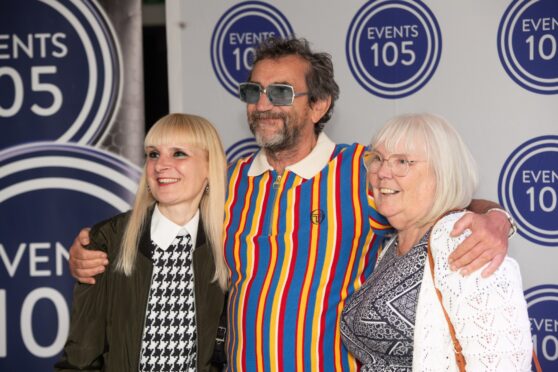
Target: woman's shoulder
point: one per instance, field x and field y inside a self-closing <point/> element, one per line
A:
<point x="441" y="243"/>
<point x="105" y="234"/>
<point x="448" y="220"/>
<point x="113" y="223"/>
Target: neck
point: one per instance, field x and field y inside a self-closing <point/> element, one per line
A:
<point x="409" y="237"/>
<point x="281" y="159"/>
<point x="180" y="215"/>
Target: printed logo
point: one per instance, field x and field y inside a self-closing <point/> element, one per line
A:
<point x="242" y="149"/>
<point x="236" y="35"/>
<point x="393" y="47"/>
<point x="542" y="305"/>
<point x="56" y="190"/>
<point x="528" y="189"/>
<point x="318" y="216"/>
<point x="59" y="72"/>
<point x="528" y="44"/>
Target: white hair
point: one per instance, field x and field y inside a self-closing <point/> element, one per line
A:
<point x="449" y="158"/>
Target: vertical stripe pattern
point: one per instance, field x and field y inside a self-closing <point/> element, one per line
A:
<point x="296" y="249"/>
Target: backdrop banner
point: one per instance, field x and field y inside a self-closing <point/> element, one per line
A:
<point x="489" y="67"/>
<point x="72" y="125"/>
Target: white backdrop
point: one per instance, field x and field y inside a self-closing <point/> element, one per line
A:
<point x="497" y="106"/>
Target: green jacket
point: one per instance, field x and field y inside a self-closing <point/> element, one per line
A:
<point x="107" y="318"/>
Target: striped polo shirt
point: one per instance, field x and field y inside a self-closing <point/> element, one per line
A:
<point x="297" y="245"/>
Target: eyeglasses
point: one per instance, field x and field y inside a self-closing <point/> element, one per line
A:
<point x="399" y="164"/>
<point x="278" y="94"/>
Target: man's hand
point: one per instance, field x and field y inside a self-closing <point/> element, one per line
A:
<point x="487" y="243"/>
<point x="84" y="263"/>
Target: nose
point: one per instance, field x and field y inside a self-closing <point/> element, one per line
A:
<point x="263" y="104"/>
<point x="161" y="163"/>
<point x="385" y="170"/>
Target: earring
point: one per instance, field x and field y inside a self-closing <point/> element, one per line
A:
<point x="207" y="189"/>
<point x="148" y="189"/>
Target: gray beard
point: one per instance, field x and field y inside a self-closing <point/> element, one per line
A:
<point x="285" y="139"/>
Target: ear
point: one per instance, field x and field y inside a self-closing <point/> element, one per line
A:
<point x="319" y="108"/>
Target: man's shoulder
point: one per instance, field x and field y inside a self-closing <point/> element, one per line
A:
<point x="354" y="146"/>
<point x="247" y="159"/>
<point x="346" y="148"/>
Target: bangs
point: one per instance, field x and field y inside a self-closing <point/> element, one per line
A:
<point x="176" y="130"/>
<point x="406" y="133"/>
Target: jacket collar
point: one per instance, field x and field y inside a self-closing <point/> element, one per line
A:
<point x="306" y="168"/>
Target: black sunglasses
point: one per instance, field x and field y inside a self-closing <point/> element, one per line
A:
<point x="278" y="94"/>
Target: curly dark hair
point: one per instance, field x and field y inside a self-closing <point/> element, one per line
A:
<point x="319" y="79"/>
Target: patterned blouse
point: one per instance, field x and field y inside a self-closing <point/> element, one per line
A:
<point x="378" y="320"/>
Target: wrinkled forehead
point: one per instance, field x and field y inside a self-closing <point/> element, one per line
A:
<point x="290" y="69"/>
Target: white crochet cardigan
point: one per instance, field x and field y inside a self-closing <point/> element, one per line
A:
<point x="489" y="314"/>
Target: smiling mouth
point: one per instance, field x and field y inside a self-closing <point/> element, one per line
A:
<point x="166" y="181"/>
<point x="386" y="191"/>
<point x="268" y="122"/>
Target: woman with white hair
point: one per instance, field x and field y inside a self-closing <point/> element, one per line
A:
<point x="157" y="308"/>
<point x="422" y="177"/>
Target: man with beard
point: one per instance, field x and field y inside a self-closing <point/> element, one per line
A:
<point x="301" y="230"/>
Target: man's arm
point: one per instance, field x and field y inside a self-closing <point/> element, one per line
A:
<point x="488" y="241"/>
<point x="85" y="263"/>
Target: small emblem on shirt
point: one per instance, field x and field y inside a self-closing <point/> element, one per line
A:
<point x="317" y="216"/>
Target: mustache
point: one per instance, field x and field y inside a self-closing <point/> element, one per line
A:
<point x="264" y="115"/>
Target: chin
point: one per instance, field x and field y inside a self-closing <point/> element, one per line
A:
<point x="387" y="212"/>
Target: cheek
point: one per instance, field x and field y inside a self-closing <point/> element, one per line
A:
<point x="372" y="184"/>
<point x="372" y="179"/>
<point x="151" y="175"/>
<point x="428" y="192"/>
<point x="250" y="109"/>
<point x="149" y="170"/>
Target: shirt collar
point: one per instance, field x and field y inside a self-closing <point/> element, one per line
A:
<point x="163" y="230"/>
<point x="307" y="167"/>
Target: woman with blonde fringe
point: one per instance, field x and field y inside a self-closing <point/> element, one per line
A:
<point x="157" y="308"/>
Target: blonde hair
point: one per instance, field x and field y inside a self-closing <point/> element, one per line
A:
<point x="449" y="158"/>
<point x="197" y="131"/>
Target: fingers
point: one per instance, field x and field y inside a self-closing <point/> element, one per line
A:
<point x="493" y="266"/>
<point x="86" y="280"/>
<point x="85" y="263"/>
<point x="83" y="236"/>
<point x="85" y="270"/>
<point x="487" y="243"/>
<point x="79" y="253"/>
<point x="467" y="252"/>
<point x="87" y="275"/>
<point x="462" y="224"/>
<point x="470" y="263"/>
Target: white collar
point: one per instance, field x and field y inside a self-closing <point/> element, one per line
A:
<point x="163" y="230"/>
<point x="307" y="168"/>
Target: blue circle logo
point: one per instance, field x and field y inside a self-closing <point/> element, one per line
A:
<point x="242" y="149"/>
<point x="48" y="192"/>
<point x="60" y="72"/>
<point x="528" y="44"/>
<point x="236" y="35"/>
<point x="528" y="189"/>
<point x="393" y="47"/>
<point x="542" y="305"/>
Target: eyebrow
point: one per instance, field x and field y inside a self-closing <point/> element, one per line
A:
<point x="396" y="154"/>
<point x="184" y="148"/>
<point x="273" y="82"/>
